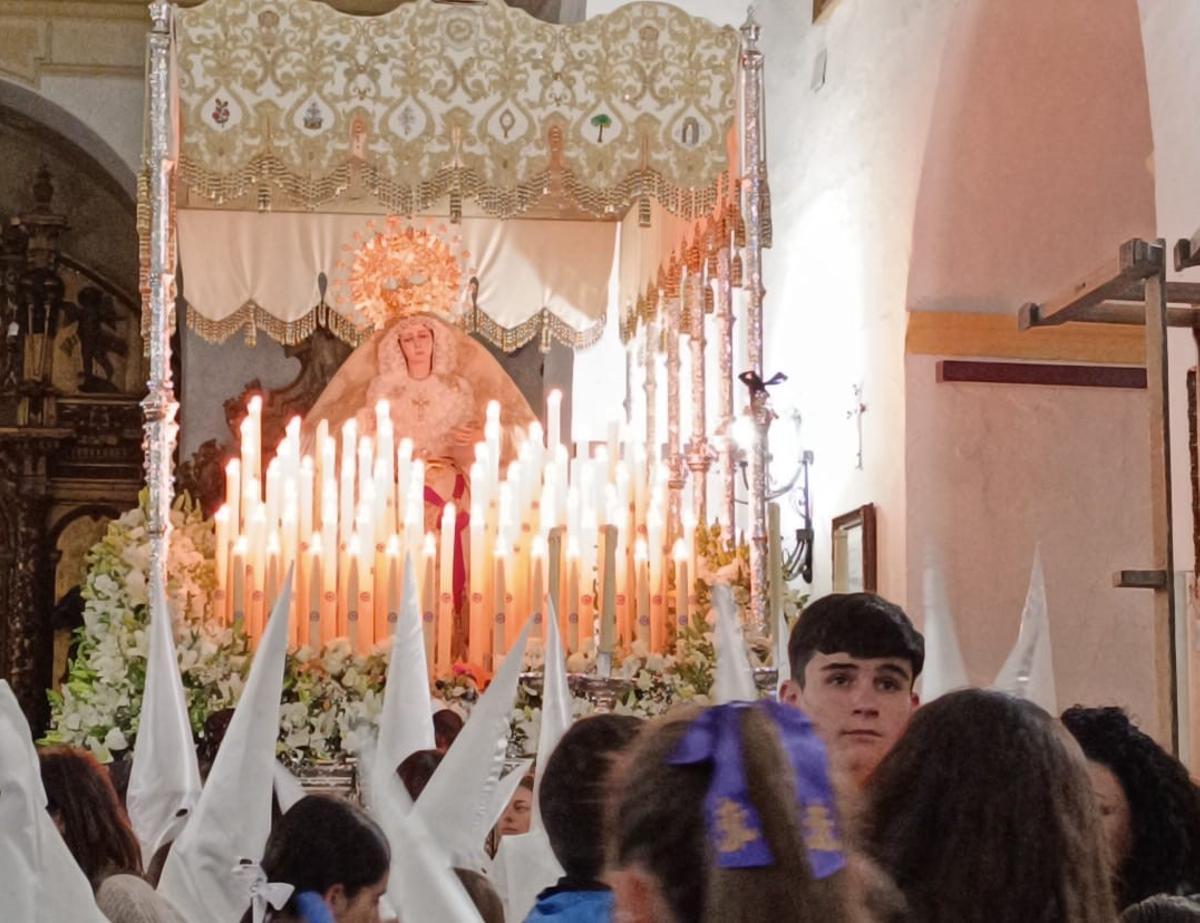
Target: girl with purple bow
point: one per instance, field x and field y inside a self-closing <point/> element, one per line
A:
<point x="727" y="814"/>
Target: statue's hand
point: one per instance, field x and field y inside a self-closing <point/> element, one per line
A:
<point x="466" y="435"/>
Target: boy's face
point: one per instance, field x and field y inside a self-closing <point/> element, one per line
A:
<point x="859" y="706"/>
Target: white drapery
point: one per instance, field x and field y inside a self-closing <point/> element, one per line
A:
<point x="239" y="266"/>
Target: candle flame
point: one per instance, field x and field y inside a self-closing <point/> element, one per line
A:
<point x="241" y="546"/>
<point x="493" y="411"/>
<point x="680" y="551"/>
<point x="350" y="427"/>
<point x="393" y="545"/>
<point x="383" y="409"/>
<point x="233" y="469"/>
<point x="406" y="448"/>
<point x="255" y="404"/>
<point x="314" y="545"/>
<point x="449" y="513"/>
<point x="430" y="548"/>
<point x="572" y="547"/>
<point x="539" y="548"/>
<point x="353" y="546"/>
<point x="273" y="545"/>
<point x="293" y="427"/>
<point x="307" y="466"/>
<point x="641" y="551"/>
<point x="222" y="515"/>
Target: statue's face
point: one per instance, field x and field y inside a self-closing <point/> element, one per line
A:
<point x="416" y="342"/>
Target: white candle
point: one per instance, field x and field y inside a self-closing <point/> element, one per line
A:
<point x="554" y="419"/>
<point x="316" y="589"/>
<point x="352" y="615"/>
<point x="572" y="594"/>
<point x="683" y="612"/>
<point x="428" y="593"/>
<point x="233" y="494"/>
<point x="608" y="605"/>
<point x="305" y="494"/>
<point x="641" y="556"/>
<point x="403" y="470"/>
<point x="238" y="580"/>
<point x="221" y="597"/>
<point x="502" y="601"/>
<point x="478" y="626"/>
<point x="348" y="477"/>
<point x="537" y="585"/>
<point x="394" y="583"/>
<point x="445" y="623"/>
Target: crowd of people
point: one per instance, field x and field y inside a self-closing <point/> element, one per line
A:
<point x="846" y="800"/>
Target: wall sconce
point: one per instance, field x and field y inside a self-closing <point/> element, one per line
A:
<point x="797" y="562"/>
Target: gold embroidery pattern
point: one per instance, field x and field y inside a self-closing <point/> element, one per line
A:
<point x="733" y="833"/>
<point x="481" y="102"/>
<point x="820" y="834"/>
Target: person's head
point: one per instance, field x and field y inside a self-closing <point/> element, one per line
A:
<point x="758" y="855"/>
<point x="330" y="847"/>
<point x="854" y="659"/>
<point x="416" y="342"/>
<point x="447" y="723"/>
<point x="1149" y="808"/>
<point x="1163" y="909"/>
<point x="482" y="894"/>
<point x="574" y="786"/>
<point x="84" y="806"/>
<point x="516" y="817"/>
<point x="417" y="769"/>
<point x="983" y="812"/>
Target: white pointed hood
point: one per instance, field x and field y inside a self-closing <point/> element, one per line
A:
<point x="1028" y="673"/>
<point x="944" y="670"/>
<point x="40" y="881"/>
<point x="164" y="783"/>
<point x="525" y="864"/>
<point x="734" y="679"/>
<point x="783" y="664"/>
<point x="422" y="884"/>
<point x="233" y="817"/>
<point x="406" y="720"/>
<point x="455" y="805"/>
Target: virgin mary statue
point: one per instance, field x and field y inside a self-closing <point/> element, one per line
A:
<point x="437" y="382"/>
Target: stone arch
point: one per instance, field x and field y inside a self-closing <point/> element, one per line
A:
<point x="54" y="118"/>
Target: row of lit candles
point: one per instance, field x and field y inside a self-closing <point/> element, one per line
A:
<point x="589" y="534"/>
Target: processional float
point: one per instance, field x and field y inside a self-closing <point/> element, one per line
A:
<point x="315" y="169"/>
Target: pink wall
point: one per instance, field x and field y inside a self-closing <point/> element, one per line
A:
<point x="1038" y="164"/>
<point x="1038" y="167"/>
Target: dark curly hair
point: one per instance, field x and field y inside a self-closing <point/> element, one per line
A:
<point x="983" y="813"/>
<point x="1164" y="805"/>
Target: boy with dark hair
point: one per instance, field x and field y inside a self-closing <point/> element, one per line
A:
<point x="571" y="799"/>
<point x="854" y="659"/>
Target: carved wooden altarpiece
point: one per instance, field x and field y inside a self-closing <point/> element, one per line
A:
<point x="70" y="430"/>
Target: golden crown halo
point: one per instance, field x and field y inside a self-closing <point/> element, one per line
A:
<point x="395" y="270"/>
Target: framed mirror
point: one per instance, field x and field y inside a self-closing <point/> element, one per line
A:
<point x="853" y="543"/>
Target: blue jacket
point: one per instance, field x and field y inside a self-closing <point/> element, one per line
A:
<point x="564" y="906"/>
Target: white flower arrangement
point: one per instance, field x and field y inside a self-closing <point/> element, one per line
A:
<point x="332" y="696"/>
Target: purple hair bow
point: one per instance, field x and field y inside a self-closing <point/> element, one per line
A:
<point x="734" y="825"/>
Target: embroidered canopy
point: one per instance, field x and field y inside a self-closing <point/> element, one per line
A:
<point x="438" y="109"/>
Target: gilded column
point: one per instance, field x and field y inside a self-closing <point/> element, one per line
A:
<point x="728" y="449"/>
<point x="159" y="405"/>
<point x="697" y="451"/>
<point x="752" y="195"/>
<point x="649" y="361"/>
<point x="677" y="473"/>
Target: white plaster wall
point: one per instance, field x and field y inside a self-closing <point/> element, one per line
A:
<point x="1170" y="36"/>
<point x="996" y="469"/>
<point x="845" y="164"/>
<point x="111" y="106"/>
<point x="1037" y="168"/>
